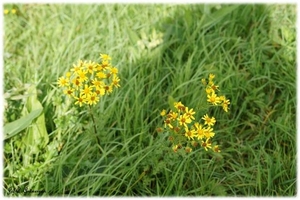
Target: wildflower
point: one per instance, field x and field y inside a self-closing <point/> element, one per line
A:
<point x="208" y="132"/>
<point x="190" y="113"/>
<point x="87" y="87"/>
<point x="80" y="100"/>
<point x="206" y="145"/>
<point x="168" y="122"/>
<point x="101" y="75"/>
<point x="184" y="120"/>
<point x="199" y="131"/>
<point x="209" y="90"/>
<point x="214" y="87"/>
<point x="103" y="66"/>
<point x="211" y="77"/>
<point x="175" y="148"/>
<point x="114" y="70"/>
<point x="69" y="91"/>
<point x="92" y="98"/>
<point x="108" y="88"/>
<point x="179" y="106"/>
<point x="105" y="57"/>
<point x="194" y="143"/>
<point x="188" y="149"/>
<point x="209" y="121"/>
<point x="77" y="67"/>
<point x="115" y="81"/>
<point x="76" y="83"/>
<point x="68" y="75"/>
<point x="225" y="104"/>
<point x="213" y="98"/>
<point x="13" y="11"/>
<point x="100" y="91"/>
<point x="203" y="81"/>
<point x="97" y="83"/>
<point x="216" y="149"/>
<point x="163" y="112"/>
<point x="82" y="75"/>
<point x="91" y="67"/>
<point x="6" y="11"/>
<point x="172" y="115"/>
<point x="159" y="130"/>
<point x="62" y="82"/>
<point x="190" y="134"/>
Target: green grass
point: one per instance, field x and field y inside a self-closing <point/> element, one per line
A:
<point x="250" y="48"/>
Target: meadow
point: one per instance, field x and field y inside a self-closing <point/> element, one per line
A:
<point x="162" y="52"/>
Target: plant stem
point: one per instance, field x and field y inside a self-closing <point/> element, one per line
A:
<point x="95" y="128"/>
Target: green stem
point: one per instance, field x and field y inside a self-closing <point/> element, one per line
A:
<point x="95" y="128"/>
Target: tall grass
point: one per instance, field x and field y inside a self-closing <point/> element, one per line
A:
<point x="251" y="50"/>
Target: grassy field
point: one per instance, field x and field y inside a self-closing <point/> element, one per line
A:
<point x="162" y="52"/>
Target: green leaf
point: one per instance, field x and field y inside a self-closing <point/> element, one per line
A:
<point x="171" y="102"/>
<point x="13" y="128"/>
<point x="36" y="137"/>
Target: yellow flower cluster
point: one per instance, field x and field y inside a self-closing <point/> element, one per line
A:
<point x="183" y="130"/>
<point x="87" y="81"/>
<point x="212" y="96"/>
<point x="13" y="11"/>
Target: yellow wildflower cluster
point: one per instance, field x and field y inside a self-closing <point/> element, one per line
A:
<point x="185" y="130"/>
<point x="180" y="124"/>
<point x="212" y="96"/>
<point x="87" y="81"/>
<point x="13" y="11"/>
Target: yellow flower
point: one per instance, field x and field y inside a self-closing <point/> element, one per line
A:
<point x="86" y="91"/>
<point x="77" y="67"/>
<point x="179" y="106"/>
<point x="216" y="149"/>
<point x="82" y="75"/>
<point x="211" y="77"/>
<point x="199" y="131"/>
<point x="206" y="145"/>
<point x="208" y="132"/>
<point x="92" y="98"/>
<point x="175" y="148"/>
<point x="213" y="98"/>
<point x="100" y="91"/>
<point x="115" y="81"/>
<point x="105" y="57"/>
<point x="190" y="134"/>
<point x="172" y="115"/>
<point x="225" y="105"/>
<point x="6" y="11"/>
<point x="188" y="149"/>
<point x="168" y="122"/>
<point x="209" y="121"/>
<point x="62" y="82"/>
<point x="76" y="83"/>
<point x="13" y="11"/>
<point x="80" y="100"/>
<point x="163" y="112"/>
<point x="184" y="120"/>
<point x="190" y="113"/>
<point x="101" y="75"/>
<point x="108" y="88"/>
<point x="97" y="83"/>
<point x="114" y="70"/>
<point x="69" y="91"/>
<point x="90" y="67"/>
